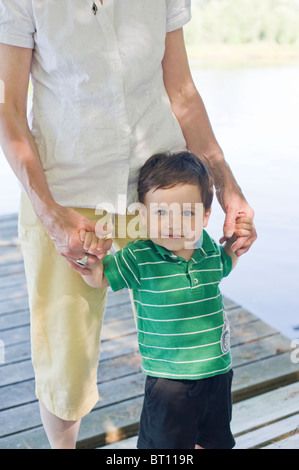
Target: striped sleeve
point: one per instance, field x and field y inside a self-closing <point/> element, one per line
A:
<point x="121" y="270"/>
<point x="226" y="262"/>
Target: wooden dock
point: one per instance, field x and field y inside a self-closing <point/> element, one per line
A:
<point x="265" y="386"/>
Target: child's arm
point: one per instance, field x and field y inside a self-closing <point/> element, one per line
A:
<point x="95" y="276"/>
<point x="243" y="228"/>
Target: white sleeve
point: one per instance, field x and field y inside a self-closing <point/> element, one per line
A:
<point x="17" y="23"/>
<point x="178" y="14"/>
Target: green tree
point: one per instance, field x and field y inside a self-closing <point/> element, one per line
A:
<point x="244" y="21"/>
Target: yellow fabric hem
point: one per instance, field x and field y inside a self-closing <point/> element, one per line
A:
<point x="68" y="414"/>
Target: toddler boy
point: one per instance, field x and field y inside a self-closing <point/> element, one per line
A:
<point x="183" y="331"/>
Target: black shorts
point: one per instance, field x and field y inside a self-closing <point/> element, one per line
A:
<point x="177" y="414"/>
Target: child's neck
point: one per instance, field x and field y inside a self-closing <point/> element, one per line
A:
<point x="185" y="253"/>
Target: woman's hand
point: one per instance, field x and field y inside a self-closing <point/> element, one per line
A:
<point x="64" y="226"/>
<point x="233" y="205"/>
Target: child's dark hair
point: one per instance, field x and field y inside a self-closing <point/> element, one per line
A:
<point x="165" y="170"/>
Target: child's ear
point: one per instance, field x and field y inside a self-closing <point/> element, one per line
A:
<point x="142" y="212"/>
<point x="206" y="217"/>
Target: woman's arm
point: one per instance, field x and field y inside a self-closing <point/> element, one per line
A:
<point x="190" y="112"/>
<point x="63" y="224"/>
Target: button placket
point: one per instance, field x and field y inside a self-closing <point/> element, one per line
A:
<point x="194" y="279"/>
<point x="117" y="88"/>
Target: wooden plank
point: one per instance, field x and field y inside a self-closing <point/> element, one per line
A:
<point x="7" y="217"/>
<point x="111" y="392"/>
<point x="245" y="333"/>
<point x="8" y="237"/>
<point x="110" y="347"/>
<point x="21" y="317"/>
<point x="14" y="320"/>
<point x="16" y="335"/>
<point x="124" y="341"/>
<point x="130" y="443"/>
<point x="18" y="367"/>
<point x="265" y="375"/>
<point x="252" y="414"/>
<point x="17" y="394"/>
<point x="17" y="280"/>
<point x="99" y="439"/>
<point x="259" y="348"/>
<point x="14" y="326"/>
<point x="13" y="291"/>
<point x="22" y="390"/>
<point x="268" y="434"/>
<point x="10" y="375"/>
<point x="104" y="426"/>
<point x="8" y="226"/>
<point x="291" y="443"/>
<point x="32" y="439"/>
<point x="16" y="353"/>
<point x="13" y="375"/>
<point x="109" y="330"/>
<point x="118" y="328"/>
<point x="11" y="263"/>
<point x="269" y="407"/>
<point x="97" y="429"/>
<point x="123" y="350"/>
<point x="14" y="304"/>
<point x="15" y="266"/>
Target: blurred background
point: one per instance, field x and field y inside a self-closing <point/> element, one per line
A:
<point x="244" y="58"/>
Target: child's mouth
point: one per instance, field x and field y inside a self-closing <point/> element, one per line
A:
<point x="173" y="235"/>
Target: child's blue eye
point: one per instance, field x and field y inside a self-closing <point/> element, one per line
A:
<point x="188" y="213"/>
<point x="161" y="212"/>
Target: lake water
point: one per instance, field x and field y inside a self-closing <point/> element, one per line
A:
<point x="254" y="113"/>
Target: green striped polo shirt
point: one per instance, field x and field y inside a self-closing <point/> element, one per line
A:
<point x="183" y="332"/>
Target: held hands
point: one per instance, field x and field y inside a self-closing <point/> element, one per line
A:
<point x="94" y="274"/>
<point x="243" y="226"/>
<point x="64" y="225"/>
<point x="236" y="207"/>
<point x="243" y="229"/>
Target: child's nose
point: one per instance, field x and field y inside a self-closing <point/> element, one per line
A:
<point x="175" y="220"/>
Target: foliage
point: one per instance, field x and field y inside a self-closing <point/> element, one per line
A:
<point x="244" y="21"/>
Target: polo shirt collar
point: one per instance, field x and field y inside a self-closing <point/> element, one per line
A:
<point x="166" y="254"/>
<point x="206" y="247"/>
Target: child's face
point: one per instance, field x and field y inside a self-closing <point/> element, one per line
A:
<point x="175" y="217"/>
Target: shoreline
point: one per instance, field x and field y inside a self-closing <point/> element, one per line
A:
<point x="242" y="55"/>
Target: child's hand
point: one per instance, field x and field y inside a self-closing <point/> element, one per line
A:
<point x="244" y="226"/>
<point x="96" y="243"/>
<point x="92" y="244"/>
<point x="94" y="277"/>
